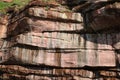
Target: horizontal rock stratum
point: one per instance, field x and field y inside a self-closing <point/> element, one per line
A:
<point x="48" y="41"/>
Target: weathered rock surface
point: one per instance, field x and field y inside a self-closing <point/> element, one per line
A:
<point x="50" y="73"/>
<point x="47" y="41"/>
<point x="105" y="18"/>
<point x="3" y="26"/>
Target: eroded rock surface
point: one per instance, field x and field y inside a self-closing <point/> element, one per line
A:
<point x="48" y="41"/>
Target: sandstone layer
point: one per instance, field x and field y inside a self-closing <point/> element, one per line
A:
<point x="48" y="41"/>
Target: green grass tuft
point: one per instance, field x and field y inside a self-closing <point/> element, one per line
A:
<point x="18" y="3"/>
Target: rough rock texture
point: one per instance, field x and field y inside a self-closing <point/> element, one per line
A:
<point x="47" y="41"/>
<point x="3" y="26"/>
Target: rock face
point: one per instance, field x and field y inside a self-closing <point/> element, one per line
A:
<point x="3" y="26"/>
<point x="7" y="0"/>
<point x="47" y="41"/>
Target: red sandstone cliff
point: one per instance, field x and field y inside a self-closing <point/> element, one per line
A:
<point x="48" y="41"/>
